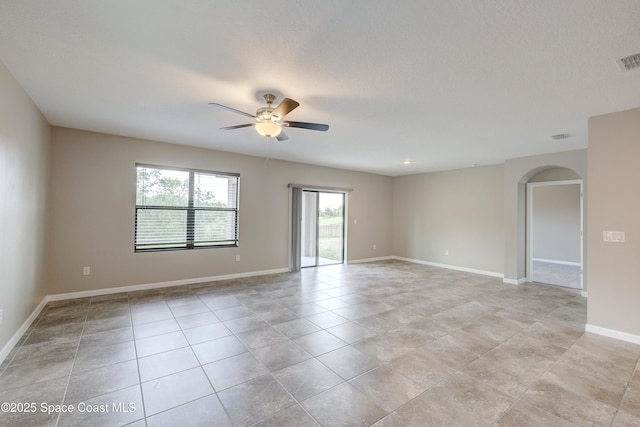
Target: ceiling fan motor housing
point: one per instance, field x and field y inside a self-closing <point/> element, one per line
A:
<point x="265" y="114"/>
<point x="269" y="98"/>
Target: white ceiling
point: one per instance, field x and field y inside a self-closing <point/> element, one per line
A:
<point x="446" y="84"/>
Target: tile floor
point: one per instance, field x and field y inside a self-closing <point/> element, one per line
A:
<point x="385" y="344"/>
<point x="556" y="274"/>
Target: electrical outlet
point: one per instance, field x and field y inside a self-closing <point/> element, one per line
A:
<point x="237" y="257"/>
<point x="446" y="251"/>
<point x="374" y="247"/>
<point x="86" y="271"/>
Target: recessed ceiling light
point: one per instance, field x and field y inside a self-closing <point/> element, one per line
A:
<point x="561" y="136"/>
<point x="407" y="162"/>
<point x="475" y="165"/>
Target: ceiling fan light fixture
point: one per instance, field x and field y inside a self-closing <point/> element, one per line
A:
<point x="268" y="120"/>
<point x="268" y="129"/>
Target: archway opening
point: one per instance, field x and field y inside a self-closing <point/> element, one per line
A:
<point x="553" y="212"/>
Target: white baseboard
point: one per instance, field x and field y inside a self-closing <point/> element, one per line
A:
<point x="107" y="291"/>
<point x="360" y="261"/>
<point x="21" y="330"/>
<point x="554" y="261"/>
<point x="515" y="281"/>
<point x="157" y="285"/>
<point x="450" y="267"/>
<point x="611" y="333"/>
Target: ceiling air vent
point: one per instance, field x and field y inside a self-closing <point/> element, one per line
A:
<point x="561" y="136"/>
<point x="629" y="63"/>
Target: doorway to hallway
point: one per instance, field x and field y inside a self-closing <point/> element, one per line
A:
<point x="555" y="233"/>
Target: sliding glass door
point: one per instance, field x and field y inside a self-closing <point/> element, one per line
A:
<point x="309" y="236"/>
<point x="322" y="231"/>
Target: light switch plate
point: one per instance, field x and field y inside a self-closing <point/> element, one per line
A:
<point x="613" y="236"/>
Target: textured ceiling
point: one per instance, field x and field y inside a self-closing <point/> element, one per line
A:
<point x="446" y="84"/>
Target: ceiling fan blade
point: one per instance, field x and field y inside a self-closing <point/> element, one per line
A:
<point x="233" y="110"/>
<point x="238" y="126"/>
<point x="305" y="125"/>
<point x="285" y="107"/>
<point x="282" y="136"/>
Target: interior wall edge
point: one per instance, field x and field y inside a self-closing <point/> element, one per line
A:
<point x="6" y="350"/>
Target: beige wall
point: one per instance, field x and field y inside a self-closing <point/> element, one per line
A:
<point x="93" y="201"/>
<point x="477" y="214"/>
<point x="24" y="147"/>
<point x="556" y="222"/>
<point x="459" y="211"/>
<point x="614" y="203"/>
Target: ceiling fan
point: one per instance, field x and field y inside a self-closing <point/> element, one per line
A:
<point x="269" y="120"/>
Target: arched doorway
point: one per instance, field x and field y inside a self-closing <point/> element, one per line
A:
<point x="554" y="227"/>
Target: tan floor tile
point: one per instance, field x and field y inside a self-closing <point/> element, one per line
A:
<point x="469" y="397"/>
<point x="160" y="343"/>
<point x="161" y="327"/>
<point x="625" y="419"/>
<point x="348" y="362"/>
<point x="281" y="355"/>
<point x="166" y="363"/>
<point x="508" y="370"/>
<point x="387" y="388"/>
<point x="307" y="379"/>
<point x="189" y="321"/>
<point x="255" y="400"/>
<point x="107" y="379"/>
<point x="49" y="392"/>
<point x="296" y="328"/>
<point x="568" y="405"/>
<point x="424" y="370"/>
<point x="631" y="401"/>
<point x="18" y="375"/>
<point x="526" y="415"/>
<point x="234" y="370"/>
<point x="294" y="416"/>
<point x="213" y="350"/>
<point x="391" y="328"/>
<point x="320" y="342"/>
<point x="116" y="408"/>
<point x="199" y="413"/>
<point x="174" y="390"/>
<point x="567" y="376"/>
<point x="348" y="407"/>
<point x="204" y="333"/>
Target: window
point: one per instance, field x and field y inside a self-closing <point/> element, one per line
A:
<point x="185" y="209"/>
